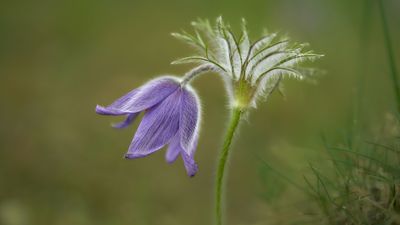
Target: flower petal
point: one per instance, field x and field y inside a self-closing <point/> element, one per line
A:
<point x="188" y="159"/>
<point x="174" y="149"/>
<point x="190" y="164"/>
<point x="189" y="123"/>
<point x="141" y="98"/>
<point x="109" y="111"/>
<point x="113" y="108"/>
<point x="129" y="119"/>
<point x="160" y="123"/>
<point x="173" y="152"/>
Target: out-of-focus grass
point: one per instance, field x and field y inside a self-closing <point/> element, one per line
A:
<point x="390" y="53"/>
<point x="364" y="187"/>
<point x="358" y="180"/>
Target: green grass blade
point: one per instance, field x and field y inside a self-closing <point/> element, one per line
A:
<point x="390" y="53"/>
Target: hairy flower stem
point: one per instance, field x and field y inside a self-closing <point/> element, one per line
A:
<point x="196" y="71"/>
<point x="224" y="155"/>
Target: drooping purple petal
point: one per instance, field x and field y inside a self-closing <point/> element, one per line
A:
<point x="142" y="98"/>
<point x="188" y="159"/>
<point x="174" y="149"/>
<point x="190" y="165"/>
<point x="159" y="124"/>
<point x="109" y="111"/>
<point x="113" y="108"/>
<point x="189" y="123"/>
<point x="129" y="119"/>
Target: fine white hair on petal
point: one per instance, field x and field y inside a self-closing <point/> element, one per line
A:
<point x="237" y="59"/>
<point x="190" y="147"/>
<point x="244" y="42"/>
<point x="262" y="42"/>
<point x="268" y="64"/>
<point x="143" y="97"/>
<point x="299" y="58"/>
<point x="267" y="86"/>
<point x="235" y="54"/>
<point x="265" y="82"/>
<point x="244" y="46"/>
<point x="229" y="87"/>
<point x="222" y="52"/>
<point x="263" y="55"/>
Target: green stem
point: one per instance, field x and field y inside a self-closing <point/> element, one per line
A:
<point x="233" y="124"/>
<point x="390" y="53"/>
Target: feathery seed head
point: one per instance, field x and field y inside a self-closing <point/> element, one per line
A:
<point x="250" y="69"/>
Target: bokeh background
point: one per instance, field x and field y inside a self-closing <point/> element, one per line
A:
<point x="60" y="163"/>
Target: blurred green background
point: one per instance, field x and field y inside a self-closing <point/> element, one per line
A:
<point x="60" y="163"/>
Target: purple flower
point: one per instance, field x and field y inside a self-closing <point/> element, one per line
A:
<point x="171" y="117"/>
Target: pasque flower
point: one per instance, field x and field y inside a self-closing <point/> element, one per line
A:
<point x="171" y="117"/>
<point x="250" y="69"/>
